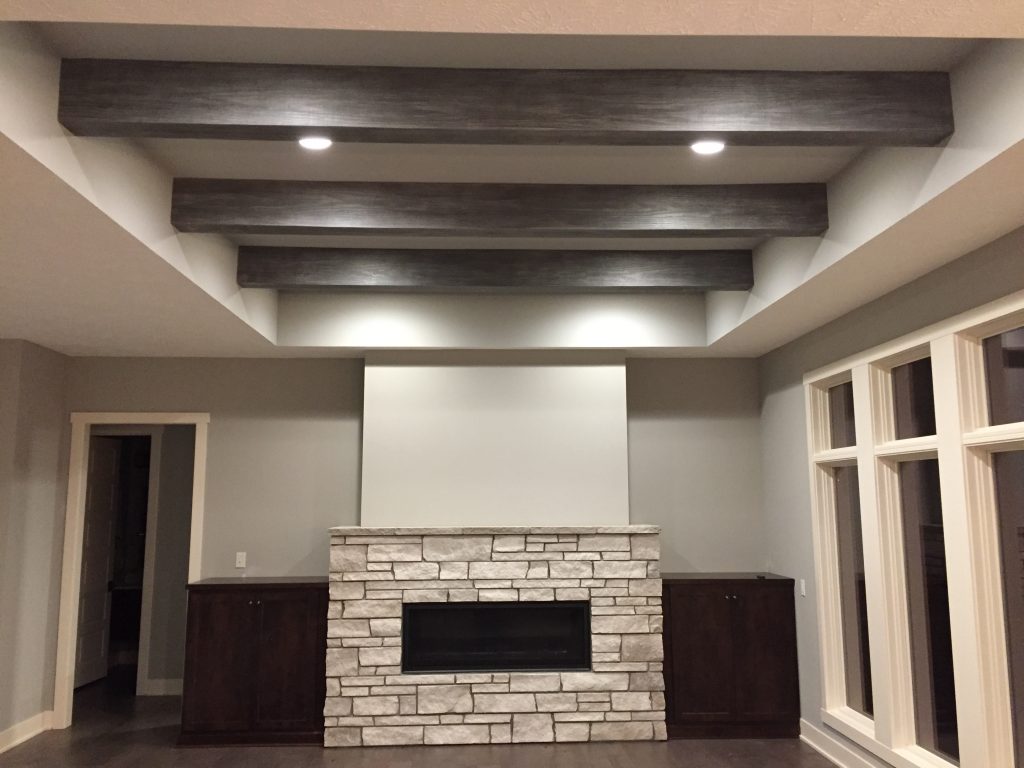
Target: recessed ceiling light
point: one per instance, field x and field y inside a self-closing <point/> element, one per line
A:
<point x="315" y="142"/>
<point x="707" y="147"/>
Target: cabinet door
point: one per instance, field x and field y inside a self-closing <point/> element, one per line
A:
<point x="766" y="675"/>
<point x="290" y="657"/>
<point x="219" y="660"/>
<point x="701" y="640"/>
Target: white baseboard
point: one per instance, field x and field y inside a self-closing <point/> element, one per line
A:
<point x="838" y="751"/>
<point x="25" y="730"/>
<point x="158" y="687"/>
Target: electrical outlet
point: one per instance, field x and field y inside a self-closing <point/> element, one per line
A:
<point x="239" y="559"/>
<point x="803" y="588"/>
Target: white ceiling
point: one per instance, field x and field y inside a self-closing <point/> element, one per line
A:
<point x="417" y="49"/>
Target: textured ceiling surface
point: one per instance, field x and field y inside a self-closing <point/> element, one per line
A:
<point x="935" y="18"/>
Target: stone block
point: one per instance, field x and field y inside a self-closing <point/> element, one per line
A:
<point x="578" y="717"/>
<point x="642" y="648"/>
<point x="346" y="590"/>
<point x="375" y="705"/>
<point x="463" y="548"/>
<point x="457" y="734"/>
<point x="644" y="546"/>
<point x="380" y="657"/>
<point x="532" y="728"/>
<point x="556" y="702"/>
<point x="501" y="734"/>
<point x="509" y="543"/>
<point x="444" y="699"/>
<point x="537" y="570"/>
<point x="337" y="706"/>
<point x="425" y="595"/>
<point x="348" y="558"/>
<point x="385" y="627"/>
<point x="342" y="737"/>
<point x="407" y="704"/>
<point x="372" y="609"/>
<point x="619" y="625"/>
<point x="646" y="681"/>
<point x="604" y="543"/>
<point x="620" y="569"/>
<point x="528" y="682"/>
<point x="463" y="595"/>
<point x="455" y="571"/>
<point x="490" y="688"/>
<point x="504" y="570"/>
<point x="572" y="593"/>
<point x="505" y="702"/>
<point x="572" y="731"/>
<point x="392" y="552"/>
<point x="498" y="595"/>
<point x="342" y="661"/>
<point x="590" y="681"/>
<point x="660" y="731"/>
<point x="348" y="628"/>
<point x="416" y="571"/>
<point x="591" y="696"/>
<point x="395" y="735"/>
<point x="645" y="587"/>
<point x="571" y="569"/>
<point x="527" y="595"/>
<point x="624" y="731"/>
<point x="633" y="701"/>
<point x="602" y="643"/>
<point x="490" y="718"/>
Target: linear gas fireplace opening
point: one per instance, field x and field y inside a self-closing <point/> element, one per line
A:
<point x="496" y="637"/>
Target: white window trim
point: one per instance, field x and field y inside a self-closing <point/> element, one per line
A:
<point x="963" y="444"/>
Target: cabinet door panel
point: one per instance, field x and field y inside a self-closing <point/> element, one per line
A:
<point x="702" y="650"/>
<point x="290" y="674"/>
<point x="766" y="675"/>
<point x="218" y="680"/>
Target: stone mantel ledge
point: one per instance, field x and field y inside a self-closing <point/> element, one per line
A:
<point x="502" y="530"/>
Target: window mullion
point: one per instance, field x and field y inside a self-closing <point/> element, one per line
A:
<point x="982" y="713"/>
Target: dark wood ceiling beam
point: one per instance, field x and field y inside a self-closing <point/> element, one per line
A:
<point x="460" y="271"/>
<point x="510" y="106"/>
<point x="509" y="210"/>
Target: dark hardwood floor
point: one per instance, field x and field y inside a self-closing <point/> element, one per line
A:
<point x="114" y="730"/>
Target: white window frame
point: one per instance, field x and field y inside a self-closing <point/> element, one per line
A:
<point x="963" y="443"/>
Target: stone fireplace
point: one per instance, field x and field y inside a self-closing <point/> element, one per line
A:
<point x="584" y="663"/>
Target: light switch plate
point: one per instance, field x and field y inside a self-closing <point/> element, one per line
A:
<point x="239" y="559"/>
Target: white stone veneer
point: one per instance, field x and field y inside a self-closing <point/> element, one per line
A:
<point x="375" y="570"/>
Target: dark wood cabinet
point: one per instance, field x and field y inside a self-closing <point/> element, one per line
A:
<point x="254" y="662"/>
<point x="730" y="656"/>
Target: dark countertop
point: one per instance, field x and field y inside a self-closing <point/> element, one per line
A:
<point x="260" y="581"/>
<point x="723" y="576"/>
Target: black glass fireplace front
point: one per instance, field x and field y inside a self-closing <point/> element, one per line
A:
<point x="495" y="637"/>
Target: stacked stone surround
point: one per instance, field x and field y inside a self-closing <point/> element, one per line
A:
<point x="375" y="570"/>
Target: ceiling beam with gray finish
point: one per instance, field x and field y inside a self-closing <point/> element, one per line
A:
<point x="100" y="97"/>
<point x="500" y="210"/>
<point x="458" y="271"/>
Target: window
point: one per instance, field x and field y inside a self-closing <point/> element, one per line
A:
<point x="1004" y="369"/>
<point x="840" y="415"/>
<point x="919" y="538"/>
<point x="913" y="399"/>
<point x="928" y="608"/>
<point x="853" y="595"/>
<point x="1009" y="480"/>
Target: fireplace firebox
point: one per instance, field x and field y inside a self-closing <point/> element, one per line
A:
<point x="496" y="636"/>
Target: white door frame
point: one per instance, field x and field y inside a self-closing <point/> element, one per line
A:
<point x="71" y="570"/>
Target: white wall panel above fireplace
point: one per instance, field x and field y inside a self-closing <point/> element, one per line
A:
<point x="495" y="445"/>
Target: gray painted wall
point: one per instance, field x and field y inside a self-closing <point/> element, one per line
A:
<point x="987" y="274"/>
<point x="33" y="481"/>
<point x="283" y="451"/>
<point x="694" y="461"/>
<point x="170" y="566"/>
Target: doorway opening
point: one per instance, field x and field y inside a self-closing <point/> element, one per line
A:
<point x="136" y="538"/>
